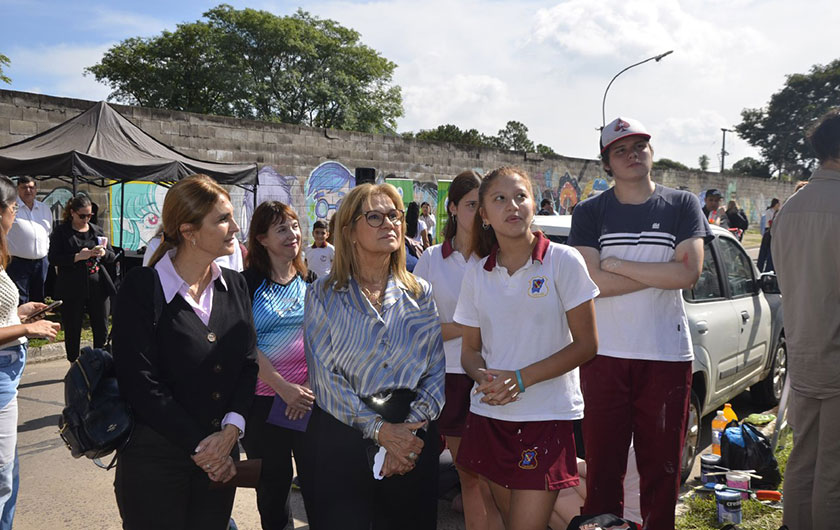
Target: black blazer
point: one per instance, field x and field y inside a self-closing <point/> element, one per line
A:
<point x="73" y="277"/>
<point x="180" y="376"/>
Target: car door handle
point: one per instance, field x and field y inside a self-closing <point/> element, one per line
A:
<point x="745" y="316"/>
<point x="702" y="327"/>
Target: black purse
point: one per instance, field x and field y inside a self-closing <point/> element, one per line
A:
<point x="96" y="420"/>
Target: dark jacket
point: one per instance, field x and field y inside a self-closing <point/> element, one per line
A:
<point x="73" y="277"/>
<point x="738" y="219"/>
<point x="179" y="376"/>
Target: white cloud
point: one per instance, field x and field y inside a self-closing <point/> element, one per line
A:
<point x="125" y="24"/>
<point x="58" y="70"/>
<point x="455" y="101"/>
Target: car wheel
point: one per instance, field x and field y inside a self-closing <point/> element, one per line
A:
<point x="769" y="391"/>
<point x="692" y="437"/>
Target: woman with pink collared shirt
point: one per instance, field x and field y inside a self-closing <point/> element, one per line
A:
<point x="185" y="354"/>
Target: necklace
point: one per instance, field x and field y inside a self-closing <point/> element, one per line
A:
<point x="375" y="300"/>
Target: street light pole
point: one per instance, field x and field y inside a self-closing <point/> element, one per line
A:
<point x="656" y="58"/>
<point x="723" y="152"/>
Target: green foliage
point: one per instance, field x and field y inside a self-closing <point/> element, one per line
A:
<point x="451" y="133"/>
<point x="513" y="137"/>
<point x="703" y="161"/>
<point x="545" y="150"/>
<point x="4" y="61"/>
<point x="667" y="163"/>
<point x="778" y="130"/>
<point x="751" y="166"/>
<point x="254" y="64"/>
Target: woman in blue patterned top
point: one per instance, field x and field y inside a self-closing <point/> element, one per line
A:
<point x="376" y="364"/>
<point x="277" y="278"/>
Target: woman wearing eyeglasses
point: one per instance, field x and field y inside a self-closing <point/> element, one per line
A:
<point x="79" y="249"/>
<point x="376" y="365"/>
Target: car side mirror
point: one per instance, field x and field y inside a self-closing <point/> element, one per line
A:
<point x="769" y="283"/>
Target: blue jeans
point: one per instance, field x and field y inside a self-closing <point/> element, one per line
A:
<point x="12" y="361"/>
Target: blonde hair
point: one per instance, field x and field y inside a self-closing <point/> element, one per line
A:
<point x="349" y="213"/>
<point x="188" y="201"/>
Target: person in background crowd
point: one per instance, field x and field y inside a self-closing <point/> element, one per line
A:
<point x="234" y="262"/>
<point x="186" y="361"/>
<point x="737" y="218"/>
<point x="320" y="256"/>
<point x="13" y="339"/>
<point x="642" y="243"/>
<point x="79" y="248"/>
<point x="387" y="397"/>
<point x="277" y="279"/>
<point x="712" y="209"/>
<point x="807" y="264"/>
<point x="547" y="207"/>
<point x="443" y="266"/>
<point x="770" y="214"/>
<point x="429" y="220"/>
<point x="415" y="228"/>
<point x="29" y="242"/>
<point x="331" y="231"/>
<point x="519" y="434"/>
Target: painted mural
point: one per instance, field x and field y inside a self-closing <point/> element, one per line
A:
<point x="326" y="187"/>
<point x="272" y="187"/>
<point x="142" y="218"/>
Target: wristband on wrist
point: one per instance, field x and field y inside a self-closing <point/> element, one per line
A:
<point x="376" y="429"/>
<point x="519" y="382"/>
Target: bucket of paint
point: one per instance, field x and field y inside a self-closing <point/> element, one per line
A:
<point x="709" y="464"/>
<point x="728" y="507"/>
<point x="736" y="479"/>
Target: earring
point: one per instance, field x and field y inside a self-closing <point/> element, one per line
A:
<point x="454" y="217"/>
<point x="484" y="225"/>
<point x="193" y="242"/>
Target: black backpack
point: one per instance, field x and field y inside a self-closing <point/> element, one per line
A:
<point x="96" y="420"/>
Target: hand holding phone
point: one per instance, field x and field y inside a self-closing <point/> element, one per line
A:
<point x="41" y="312"/>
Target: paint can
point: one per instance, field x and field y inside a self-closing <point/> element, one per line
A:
<point x="736" y="479"/>
<point x="709" y="464"/>
<point x="728" y="507"/>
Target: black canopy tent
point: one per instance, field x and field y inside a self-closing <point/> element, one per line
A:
<point x="101" y="145"/>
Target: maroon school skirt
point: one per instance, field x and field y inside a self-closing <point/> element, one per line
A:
<point x="527" y="455"/>
<point x="453" y="417"/>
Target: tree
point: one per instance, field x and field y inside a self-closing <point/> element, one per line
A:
<point x="451" y="133"/>
<point x="751" y="166"/>
<point x="4" y="61"/>
<point x="667" y="163"/>
<point x="254" y="64"/>
<point x="778" y="130"/>
<point x="704" y="162"/>
<point x="514" y="137"/>
<point x="545" y="150"/>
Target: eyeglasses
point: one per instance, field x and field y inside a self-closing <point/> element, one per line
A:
<point x="14" y="207"/>
<point x="375" y="218"/>
<point x="84" y="216"/>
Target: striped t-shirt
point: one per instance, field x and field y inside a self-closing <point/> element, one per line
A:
<point x="650" y="324"/>
<point x="278" y="319"/>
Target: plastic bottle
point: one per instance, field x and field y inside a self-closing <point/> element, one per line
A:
<point x="729" y="413"/>
<point x="718" y="425"/>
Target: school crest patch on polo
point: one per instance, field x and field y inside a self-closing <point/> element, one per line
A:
<point x="529" y="459"/>
<point x="538" y="287"/>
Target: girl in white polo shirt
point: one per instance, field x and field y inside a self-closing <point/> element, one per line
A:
<point x="528" y="322"/>
<point x="443" y="266"/>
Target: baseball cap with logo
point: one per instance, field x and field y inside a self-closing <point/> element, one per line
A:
<point x="621" y="128"/>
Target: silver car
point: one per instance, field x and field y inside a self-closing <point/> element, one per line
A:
<point x="735" y="316"/>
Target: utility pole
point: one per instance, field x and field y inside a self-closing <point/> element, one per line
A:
<point x="723" y="152"/>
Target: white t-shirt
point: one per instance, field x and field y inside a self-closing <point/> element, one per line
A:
<point x="430" y="222"/>
<point x="522" y="319"/>
<point x="419" y="235"/>
<point x="445" y="274"/>
<point x="232" y="262"/>
<point x="29" y="237"/>
<point x="319" y="259"/>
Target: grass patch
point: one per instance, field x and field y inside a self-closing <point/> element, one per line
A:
<point x="702" y="508"/>
<point x="87" y="333"/>
<point x="752" y="238"/>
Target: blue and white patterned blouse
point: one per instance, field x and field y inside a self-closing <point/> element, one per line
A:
<point x="353" y="351"/>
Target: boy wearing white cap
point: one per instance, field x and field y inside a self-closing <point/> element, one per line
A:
<point x="642" y="243"/>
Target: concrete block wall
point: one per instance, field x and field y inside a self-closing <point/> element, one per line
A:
<point x="294" y="152"/>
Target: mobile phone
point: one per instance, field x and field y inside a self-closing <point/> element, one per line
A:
<point x="42" y="312"/>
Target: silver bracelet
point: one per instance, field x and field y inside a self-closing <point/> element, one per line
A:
<point x="376" y="428"/>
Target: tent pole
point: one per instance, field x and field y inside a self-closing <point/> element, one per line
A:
<point x="74" y="185"/>
<point x="256" y="183"/>
<point x="122" y="212"/>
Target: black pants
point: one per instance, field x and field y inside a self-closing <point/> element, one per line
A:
<point x="158" y="486"/>
<point x="29" y="275"/>
<point x="275" y="446"/>
<point x="72" y="315"/>
<point x="344" y="494"/>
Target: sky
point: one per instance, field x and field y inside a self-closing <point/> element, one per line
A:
<point x="479" y="63"/>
